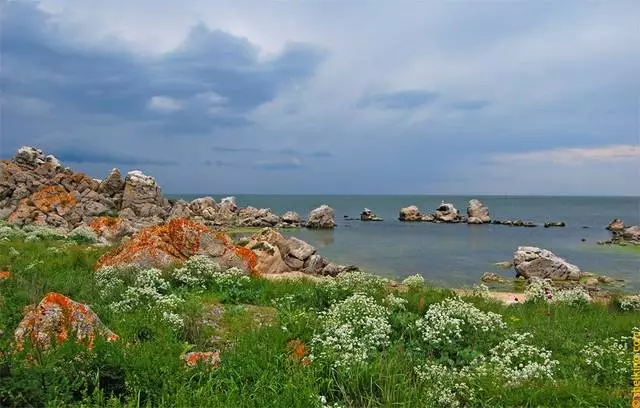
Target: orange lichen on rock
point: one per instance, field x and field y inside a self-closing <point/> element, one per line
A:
<point x="5" y="275"/>
<point x="211" y="358"/>
<point x="57" y="318"/>
<point x="52" y="198"/>
<point x="173" y="243"/>
<point x="298" y="351"/>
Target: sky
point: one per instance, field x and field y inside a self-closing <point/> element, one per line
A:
<point x="330" y="97"/>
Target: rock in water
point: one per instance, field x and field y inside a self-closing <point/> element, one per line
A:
<point x="368" y="215"/>
<point x="411" y="213"/>
<point x="616" y="225"/>
<point x="291" y="219"/>
<point x="632" y="234"/>
<point x="554" y="224"/>
<point x="322" y="217"/>
<point x="446" y="212"/>
<point x="477" y="211"/>
<point x="58" y="318"/>
<point x="536" y="262"/>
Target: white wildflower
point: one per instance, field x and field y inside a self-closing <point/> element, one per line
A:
<point x="414" y="281"/>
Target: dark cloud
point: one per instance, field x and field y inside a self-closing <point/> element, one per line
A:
<point x="399" y="100"/>
<point x="211" y="81"/>
<point x="471" y="104"/>
<point x="86" y="156"/>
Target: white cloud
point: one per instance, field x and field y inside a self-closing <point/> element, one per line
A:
<point x="615" y="153"/>
<point x="164" y="104"/>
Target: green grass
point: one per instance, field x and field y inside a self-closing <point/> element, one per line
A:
<point x="143" y="368"/>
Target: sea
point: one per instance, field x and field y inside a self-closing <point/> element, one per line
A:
<point x="458" y="254"/>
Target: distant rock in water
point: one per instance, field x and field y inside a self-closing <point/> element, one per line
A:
<point x="616" y="225"/>
<point x="411" y="213"/>
<point x="554" y="224"/>
<point x="322" y="217"/>
<point x="447" y="212"/>
<point x="478" y="213"/>
<point x="368" y="215"/>
<point x="536" y="262"/>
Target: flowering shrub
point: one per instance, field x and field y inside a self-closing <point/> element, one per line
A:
<point x="542" y="290"/>
<point x="348" y="283"/>
<point x="454" y="324"/>
<point x="395" y="303"/>
<point x="196" y="271"/>
<point x="7" y="233"/>
<point x="448" y="387"/>
<point x="414" y="281"/>
<point x="37" y="233"/>
<point x="573" y="297"/>
<point x="608" y="361"/>
<point x="481" y="290"/>
<point x="515" y="361"/>
<point x="630" y="303"/>
<point x="83" y="234"/>
<point x="351" y="331"/>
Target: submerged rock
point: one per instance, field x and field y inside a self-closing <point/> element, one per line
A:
<point x="536" y="262"/>
<point x="56" y="319"/>
<point x="554" y="224"/>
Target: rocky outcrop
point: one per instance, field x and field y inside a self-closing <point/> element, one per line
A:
<point x="632" y="234"/>
<point x="478" y="213"/>
<point x="142" y="195"/>
<point x="552" y="224"/>
<point x="536" y="262"/>
<point x="516" y="223"/>
<point x="322" y="217"/>
<point x="368" y="215"/>
<point x="291" y="219"/>
<point x="172" y="243"/>
<point x="410" y="214"/>
<point x="446" y="212"/>
<point x="57" y="319"/>
<point x="616" y="225"/>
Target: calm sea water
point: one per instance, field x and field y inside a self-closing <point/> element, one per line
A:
<point x="458" y="254"/>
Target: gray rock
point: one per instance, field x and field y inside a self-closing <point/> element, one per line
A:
<point x="292" y="218"/>
<point x="294" y="263"/>
<point x="180" y="210"/>
<point x="554" y="224"/>
<point x="474" y="220"/>
<point x="632" y="234"/>
<point x="229" y="204"/>
<point x="446" y="212"/>
<point x="322" y="217"/>
<point x="492" y="277"/>
<point x="300" y="249"/>
<point x="368" y="215"/>
<point x="536" y="262"/>
<point x="112" y="185"/>
<point x="332" y="269"/>
<point x="314" y="265"/>
<point x="479" y="211"/>
<point x="29" y="157"/>
<point x="616" y="225"/>
<point x="411" y="213"/>
<point x="142" y="192"/>
<point x="204" y="207"/>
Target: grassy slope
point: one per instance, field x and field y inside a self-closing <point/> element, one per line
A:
<point x="144" y="368"/>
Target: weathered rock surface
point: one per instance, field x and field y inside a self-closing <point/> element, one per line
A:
<point x="291" y="219"/>
<point x="478" y="212"/>
<point x="56" y="319"/>
<point x="632" y="234"/>
<point x="616" y="225"/>
<point x="491" y="277"/>
<point x="172" y="243"/>
<point x="446" y="212"/>
<point x="322" y="217"/>
<point x="210" y="358"/>
<point x="411" y="214"/>
<point x="551" y="224"/>
<point x="536" y="262"/>
<point x="368" y="215"/>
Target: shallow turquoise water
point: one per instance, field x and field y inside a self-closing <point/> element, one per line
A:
<point x="458" y="254"/>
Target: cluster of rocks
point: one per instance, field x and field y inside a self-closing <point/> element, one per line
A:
<point x="477" y="213"/>
<point x="621" y="234"/>
<point x="36" y="189"/>
<point x="516" y="223"/>
<point x="277" y="254"/>
<point x="368" y="215"/>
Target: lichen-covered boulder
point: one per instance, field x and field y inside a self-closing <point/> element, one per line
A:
<point x="172" y="243"/>
<point x="411" y="213"/>
<point x="210" y="358"/>
<point x="56" y="319"/>
<point x="111" y="228"/>
<point x="536" y="262"/>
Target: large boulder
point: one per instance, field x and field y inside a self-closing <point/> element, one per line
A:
<point x="204" y="207"/>
<point x="113" y="185"/>
<point x="291" y="219"/>
<point x="314" y="264"/>
<point x="322" y="217"/>
<point x="57" y="319"/>
<point x="142" y="195"/>
<point x="446" y="212"/>
<point x="111" y="228"/>
<point x="411" y="213"/>
<point x="536" y="262"/>
<point x="300" y="249"/>
<point x="632" y="234"/>
<point x="479" y="211"/>
<point x="172" y="243"/>
<point x="270" y="248"/>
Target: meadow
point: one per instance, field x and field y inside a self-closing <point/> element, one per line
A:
<point x="354" y="341"/>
